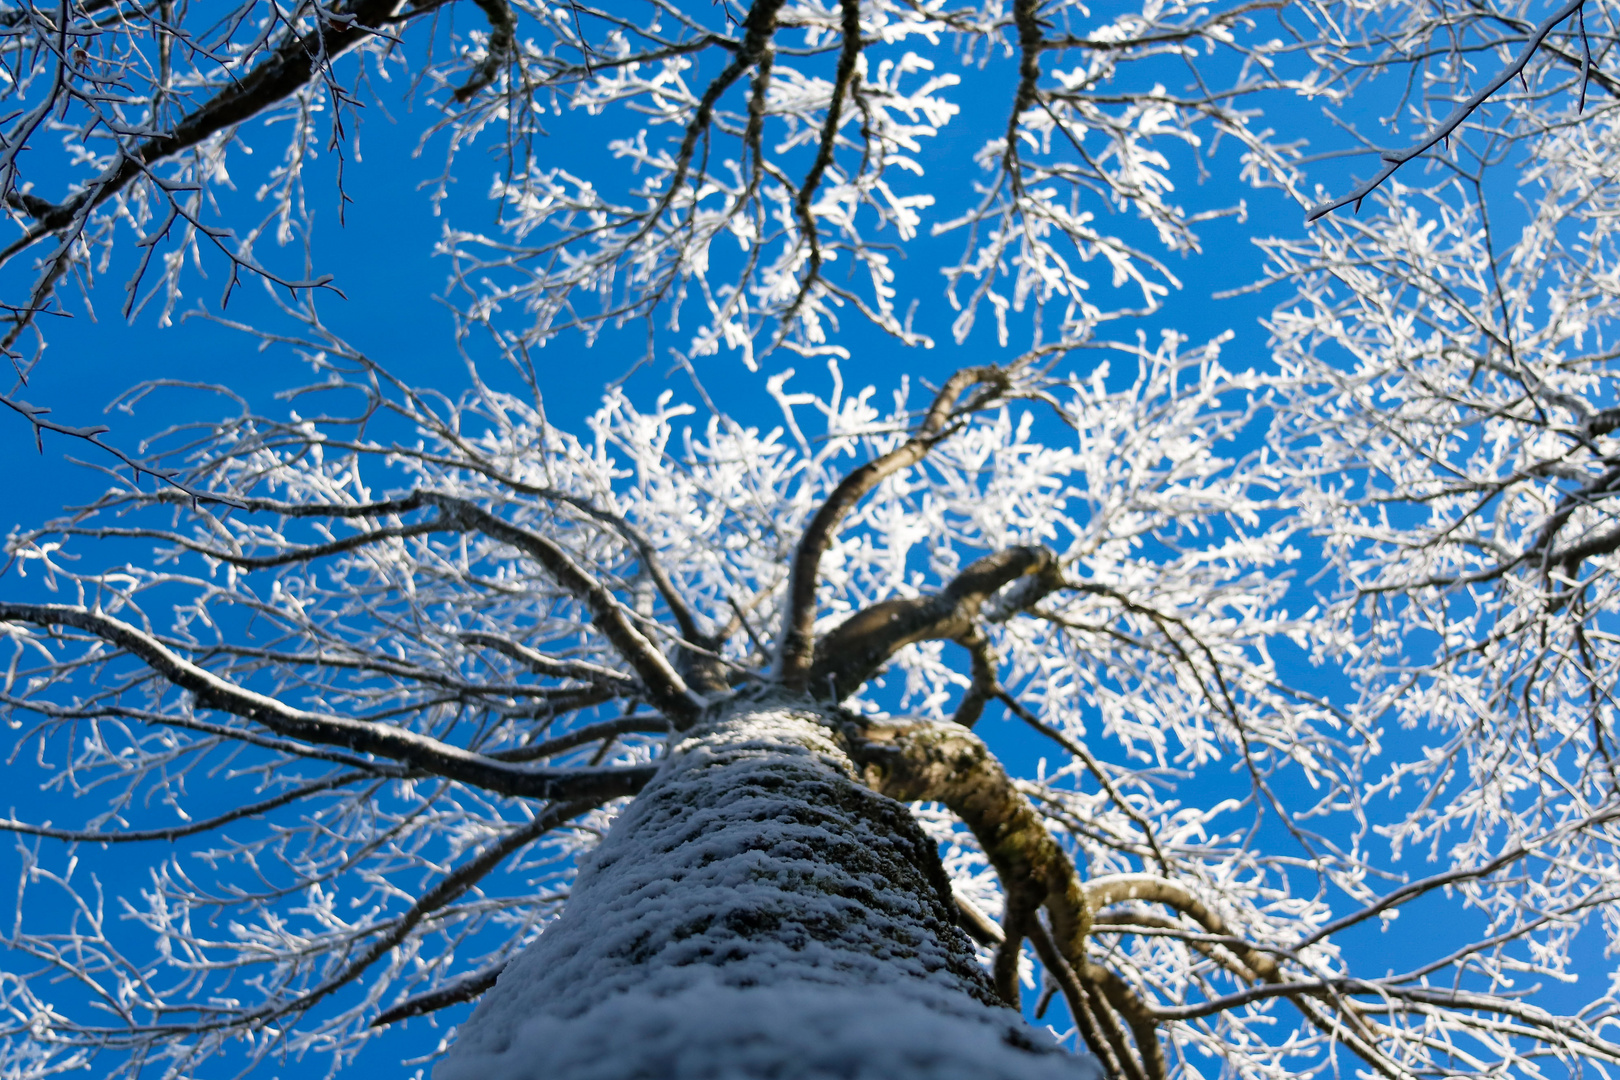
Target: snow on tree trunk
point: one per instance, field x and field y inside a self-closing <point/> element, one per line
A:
<point x="755" y="912"/>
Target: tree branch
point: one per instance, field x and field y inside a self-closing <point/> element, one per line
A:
<point x="502" y="44"/>
<point x="35" y="415"/>
<point x="852" y="652"/>
<point x="986" y="682"/>
<point x="849" y="52"/>
<point x="1252" y="964"/>
<point x="607" y="729"/>
<point x="1015" y="922"/>
<point x="1139" y="1016"/>
<point x="927" y="761"/>
<point x="1026" y="16"/>
<point x="679" y="610"/>
<point x="663" y="684"/>
<point x="797" y="646"/>
<point x="979" y="926"/>
<point x="447" y="891"/>
<point x="397" y="744"/>
<point x="665" y="687"/>
<point x="287" y="557"/>
<point x="466" y="988"/>
<point x="1116" y="888"/>
<point x="191" y="828"/>
<point x="1394" y="159"/>
<point x="1079" y="751"/>
<point x="760" y="27"/>
<point x="549" y="666"/>
<point x="291" y="66"/>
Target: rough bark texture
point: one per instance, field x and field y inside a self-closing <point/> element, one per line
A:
<point x="757" y="912"/>
<point x="921" y="759"/>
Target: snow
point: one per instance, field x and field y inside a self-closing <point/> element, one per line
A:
<point x="756" y="912"/>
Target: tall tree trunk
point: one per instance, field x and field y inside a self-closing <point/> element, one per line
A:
<point x="756" y="912"/>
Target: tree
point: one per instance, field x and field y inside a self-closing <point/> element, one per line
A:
<point x="648" y="702"/>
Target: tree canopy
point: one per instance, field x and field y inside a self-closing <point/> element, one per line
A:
<point x="1309" y="638"/>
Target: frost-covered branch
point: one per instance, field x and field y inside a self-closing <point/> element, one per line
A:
<point x="417" y="751"/>
<point x="944" y="416"/>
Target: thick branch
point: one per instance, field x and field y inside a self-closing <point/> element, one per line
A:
<point x="1117" y="888"/>
<point x="799" y="617"/>
<point x="1117" y="1064"/>
<point x="857" y="648"/>
<point x="418" y="751"/>
<point x="922" y="760"/>
<point x="946" y="763"/>
<point x="291" y="66"/>
<point x="986" y="682"/>
<point x="664" y="685"/>
<point x="1332" y="1018"/>
<point x="1015" y="923"/>
<point x="502" y="42"/>
<point x="1139" y="1016"/>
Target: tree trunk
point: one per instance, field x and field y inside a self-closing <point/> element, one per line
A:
<point x="756" y="912"/>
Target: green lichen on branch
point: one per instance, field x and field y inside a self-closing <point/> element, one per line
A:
<point x="919" y="760"/>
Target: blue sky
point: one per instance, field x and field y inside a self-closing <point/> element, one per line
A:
<point x="381" y="258"/>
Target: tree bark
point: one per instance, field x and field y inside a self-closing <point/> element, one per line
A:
<point x="756" y="912"/>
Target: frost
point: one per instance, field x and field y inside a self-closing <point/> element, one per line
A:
<point x="754" y="913"/>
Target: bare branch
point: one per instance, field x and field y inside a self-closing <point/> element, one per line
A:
<point x="35" y="415"/>
<point x="849" y="53"/>
<point x="979" y="926"/>
<point x="1118" y="1061"/>
<point x="466" y="988"/>
<point x="1113" y="889"/>
<point x="852" y="652"/>
<point x="285" y="71"/>
<point x="191" y="828"/>
<point x="664" y="685"/>
<point x="797" y="645"/>
<point x="502" y="42"/>
<point x="606" y="730"/>
<point x="1093" y="766"/>
<point x="1394" y="159"/>
<point x="397" y="744"/>
<point x="448" y="889"/>
<point x="541" y="664"/>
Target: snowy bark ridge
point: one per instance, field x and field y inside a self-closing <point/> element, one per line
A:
<point x="757" y="911"/>
<point x="763" y="908"/>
